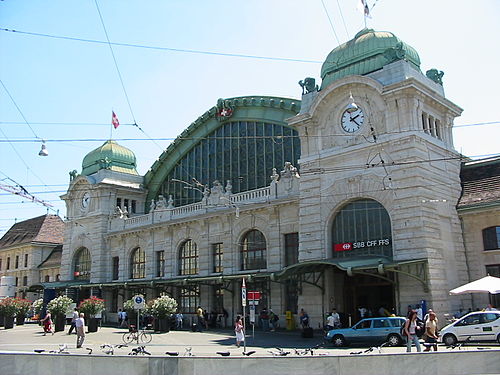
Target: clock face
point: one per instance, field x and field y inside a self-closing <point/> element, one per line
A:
<point x="86" y="200"/>
<point x="352" y="121"/>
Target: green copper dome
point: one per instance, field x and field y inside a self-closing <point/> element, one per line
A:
<point x="367" y="52"/>
<point x="110" y="156"/>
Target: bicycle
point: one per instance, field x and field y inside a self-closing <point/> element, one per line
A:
<point x="140" y="350"/>
<point x="134" y="335"/>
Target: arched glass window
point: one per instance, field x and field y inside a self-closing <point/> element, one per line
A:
<point x="188" y="258"/>
<point x="138" y="264"/>
<point x="47" y="278"/>
<point x="362" y="228"/>
<point x="253" y="251"/>
<point x="491" y="238"/>
<point x="82" y="265"/>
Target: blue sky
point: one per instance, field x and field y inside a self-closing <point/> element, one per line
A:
<point x="66" y="89"/>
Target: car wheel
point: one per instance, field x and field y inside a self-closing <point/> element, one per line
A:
<point x="338" y="340"/>
<point x="449" y="339"/>
<point x="394" y="340"/>
<point x="498" y="338"/>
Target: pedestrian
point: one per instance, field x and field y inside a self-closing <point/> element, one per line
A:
<point x="47" y="323"/>
<point x="120" y="317"/>
<point x="330" y="323"/>
<point x="201" y="320"/>
<point x="431" y="332"/>
<point x="124" y="322"/>
<point x="410" y="331"/>
<point x="336" y="319"/>
<point x="264" y="319"/>
<point x="80" y="331"/>
<point x="303" y="319"/>
<point x="178" y="320"/>
<point x="239" y="331"/>
<point x="273" y="320"/>
<point x="74" y="317"/>
<point x="420" y="313"/>
<point x="490" y="308"/>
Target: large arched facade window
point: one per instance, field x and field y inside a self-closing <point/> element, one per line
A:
<point x="253" y="251"/>
<point x="188" y="258"/>
<point x="362" y="228"/>
<point x="138" y="264"/>
<point x="82" y="263"/>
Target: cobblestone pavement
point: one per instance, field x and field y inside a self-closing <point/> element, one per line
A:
<point x="29" y="337"/>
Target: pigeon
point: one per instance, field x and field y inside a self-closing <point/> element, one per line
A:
<point x="39" y="350"/>
<point x="355" y="352"/>
<point x="90" y="350"/>
<point x="224" y="354"/>
<point x="249" y="353"/>
<point x="107" y="349"/>
<point x="172" y="354"/>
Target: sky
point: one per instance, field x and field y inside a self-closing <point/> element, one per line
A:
<point x="63" y="90"/>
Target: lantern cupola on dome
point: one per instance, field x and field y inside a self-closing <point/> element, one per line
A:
<point x="111" y="156"/>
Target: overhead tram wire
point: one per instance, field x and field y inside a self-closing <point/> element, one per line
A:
<point x="331" y="23"/>
<point x="343" y="20"/>
<point x="168" y="49"/>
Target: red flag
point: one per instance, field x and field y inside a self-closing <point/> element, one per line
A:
<point x="114" y="120"/>
<point x="342" y="246"/>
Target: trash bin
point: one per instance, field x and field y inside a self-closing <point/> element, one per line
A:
<point x="290" y="322"/>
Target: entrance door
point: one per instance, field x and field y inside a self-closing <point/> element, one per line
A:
<point x="363" y="291"/>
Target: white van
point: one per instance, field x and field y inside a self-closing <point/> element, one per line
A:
<point x="475" y="326"/>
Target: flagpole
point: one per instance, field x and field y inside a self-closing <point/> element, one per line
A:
<point x="111" y="129"/>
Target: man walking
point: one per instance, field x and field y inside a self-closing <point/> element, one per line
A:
<point x="80" y="331"/>
<point x="73" y="321"/>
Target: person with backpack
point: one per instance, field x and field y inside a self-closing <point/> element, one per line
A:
<point x="409" y="332"/>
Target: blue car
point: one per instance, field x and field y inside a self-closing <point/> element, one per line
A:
<point x="369" y="331"/>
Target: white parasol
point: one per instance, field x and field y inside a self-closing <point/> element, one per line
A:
<point x="488" y="284"/>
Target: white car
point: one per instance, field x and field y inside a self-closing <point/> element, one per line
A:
<point x="475" y="326"/>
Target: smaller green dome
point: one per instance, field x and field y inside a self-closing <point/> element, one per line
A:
<point x="367" y="52"/>
<point x="110" y="156"/>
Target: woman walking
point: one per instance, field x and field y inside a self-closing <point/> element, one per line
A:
<point x="47" y="324"/>
<point x="238" y="329"/>
<point x="410" y="331"/>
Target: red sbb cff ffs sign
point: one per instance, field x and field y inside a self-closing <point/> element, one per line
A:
<point x="346" y="246"/>
<point x="253" y="296"/>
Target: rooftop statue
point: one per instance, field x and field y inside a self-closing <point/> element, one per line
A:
<point x="435" y="75"/>
<point x="308" y="85"/>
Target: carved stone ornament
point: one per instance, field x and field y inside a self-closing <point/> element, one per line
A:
<point x="224" y="110"/>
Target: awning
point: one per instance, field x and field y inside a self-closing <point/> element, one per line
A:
<point x="58" y="285"/>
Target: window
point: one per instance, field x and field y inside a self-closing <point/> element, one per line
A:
<point x="133" y="207"/>
<point x="8" y="263"/>
<point x="218" y="256"/>
<point x="138" y="264"/>
<point x="119" y="202"/>
<point x="17" y="281"/>
<point x="189" y="299"/>
<point x="25" y="260"/>
<point x="188" y="258"/>
<point x="494" y="270"/>
<point x="160" y="263"/>
<point x="253" y="251"/>
<point x="58" y="277"/>
<point x="82" y="264"/>
<point x="491" y="238"/>
<point x="116" y="265"/>
<point x="361" y="228"/>
<point x="17" y="261"/>
<point x="218" y="296"/>
<point x="125" y="205"/>
<point x="291" y="248"/>
<point x="381" y="323"/>
<point x="0" y="264"/>
<point x="47" y="278"/>
<point x="25" y="280"/>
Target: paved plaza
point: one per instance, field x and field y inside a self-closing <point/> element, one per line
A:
<point x="29" y="337"/>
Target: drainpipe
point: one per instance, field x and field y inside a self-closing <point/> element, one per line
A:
<point x="466" y="258"/>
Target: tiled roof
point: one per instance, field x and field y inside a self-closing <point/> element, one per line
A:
<point x="46" y="229"/>
<point x="480" y="183"/>
<point x="54" y="258"/>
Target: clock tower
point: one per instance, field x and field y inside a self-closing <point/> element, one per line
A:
<point x="108" y="185"/>
<point x="379" y="175"/>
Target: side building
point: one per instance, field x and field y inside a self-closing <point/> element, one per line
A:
<point x="346" y="199"/>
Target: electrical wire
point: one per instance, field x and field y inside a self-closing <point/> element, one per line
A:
<point x="343" y="20"/>
<point x="170" y="49"/>
<point x="331" y="23"/>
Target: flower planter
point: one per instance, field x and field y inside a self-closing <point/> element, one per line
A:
<point x="60" y="320"/>
<point x="9" y="322"/>
<point x="92" y="325"/>
<point x="162" y="325"/>
<point x="20" y="320"/>
<point x="2" y="320"/>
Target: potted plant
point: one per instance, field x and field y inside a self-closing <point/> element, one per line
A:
<point x="9" y="309"/>
<point x="128" y="306"/>
<point x="37" y="307"/>
<point x="91" y="307"/>
<point x="58" y="308"/>
<point x="23" y="306"/>
<point x="162" y="309"/>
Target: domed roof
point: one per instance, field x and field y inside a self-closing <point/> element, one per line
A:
<point x="110" y="156"/>
<point x="367" y="52"/>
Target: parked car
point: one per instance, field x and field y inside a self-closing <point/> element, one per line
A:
<point x="369" y="331"/>
<point x="475" y="326"/>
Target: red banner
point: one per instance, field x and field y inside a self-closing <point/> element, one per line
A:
<point x="346" y="246"/>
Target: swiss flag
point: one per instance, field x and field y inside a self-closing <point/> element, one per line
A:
<point x="114" y="120"/>
<point x="342" y="246"/>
